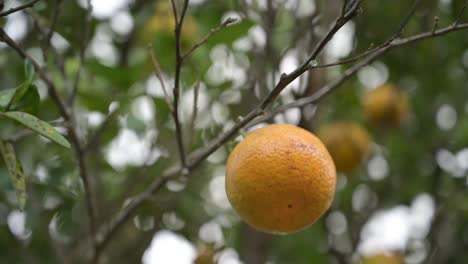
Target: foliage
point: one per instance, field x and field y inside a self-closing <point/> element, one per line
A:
<point x="91" y="152"/>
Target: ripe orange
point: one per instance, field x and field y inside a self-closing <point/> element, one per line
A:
<point x="383" y="258"/>
<point x="280" y="179"/>
<point x="163" y="22"/>
<point x="386" y="105"/>
<point x="348" y="143"/>
<point x="206" y="255"/>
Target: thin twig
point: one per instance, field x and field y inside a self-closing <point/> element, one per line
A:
<point x="194" y="113"/>
<point x="53" y="24"/>
<point x="19" y="8"/>
<point x="158" y="73"/>
<point x="84" y="45"/>
<point x="436" y="24"/>
<point x="286" y="79"/>
<point x="179" y="61"/>
<point x="328" y="88"/>
<point x="406" y="20"/>
<point x="462" y="12"/>
<point x="207" y="37"/>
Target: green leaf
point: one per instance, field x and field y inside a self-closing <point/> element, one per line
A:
<point x="231" y="33"/>
<point x="5" y="98"/>
<point x="25" y="97"/>
<point x="19" y="93"/>
<point x="28" y="102"/>
<point x="29" y="70"/>
<point x="15" y="170"/>
<point x="38" y="125"/>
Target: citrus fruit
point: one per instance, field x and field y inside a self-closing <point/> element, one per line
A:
<point x="163" y="22"/>
<point x="280" y="179"/>
<point x="348" y="143"/>
<point x="386" y="105"/>
<point x="383" y="258"/>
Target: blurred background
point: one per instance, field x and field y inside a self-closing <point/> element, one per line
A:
<point x="399" y="129"/>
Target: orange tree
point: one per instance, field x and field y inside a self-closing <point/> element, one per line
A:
<point x="115" y="118"/>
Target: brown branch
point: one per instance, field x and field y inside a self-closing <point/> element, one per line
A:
<point x="19" y="8"/>
<point x="207" y="37"/>
<point x="194" y="113"/>
<point x="84" y="45"/>
<point x="462" y="12"/>
<point x="55" y="17"/>
<point x="348" y="73"/>
<point x="179" y="61"/>
<point x="158" y="73"/>
<point x="286" y="79"/>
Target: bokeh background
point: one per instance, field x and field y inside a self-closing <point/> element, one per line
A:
<point x="408" y="197"/>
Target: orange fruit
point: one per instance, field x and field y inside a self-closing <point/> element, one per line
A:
<point x="383" y="258"/>
<point x="163" y="22"/>
<point x="280" y="179"/>
<point x="386" y="105"/>
<point x="348" y="143"/>
<point x="206" y="255"/>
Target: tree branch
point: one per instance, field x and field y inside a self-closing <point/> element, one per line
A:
<point x="207" y="37"/>
<point x="19" y="8"/>
<point x="72" y="131"/>
<point x="86" y="35"/>
<point x="179" y="61"/>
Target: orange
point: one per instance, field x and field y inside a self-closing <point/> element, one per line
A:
<point x="386" y="105"/>
<point x="280" y="179"/>
<point x="163" y="22"/>
<point x="348" y="143"/>
<point x="383" y="258"/>
<point x="206" y="255"/>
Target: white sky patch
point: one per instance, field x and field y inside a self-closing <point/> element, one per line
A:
<point x="128" y="149"/>
<point x="392" y="229"/>
<point x="59" y="42"/>
<point x="186" y="107"/>
<point x="95" y="118"/>
<point x="337" y="223"/>
<point x="102" y="48"/>
<point x="446" y="117"/>
<point x="143" y="108"/>
<point x="105" y="8"/>
<point x="378" y="168"/>
<point x="373" y="75"/>
<point x="287" y="65"/>
<point x="226" y="67"/>
<point x="462" y="158"/>
<point x="449" y="163"/>
<point x="229" y="256"/>
<point x="122" y="23"/>
<point x="16" y="26"/>
<point x="219" y="113"/>
<point x="341" y="44"/>
<point x="211" y="232"/>
<point x="196" y="2"/>
<point x="303" y="8"/>
<point x="168" y="247"/>
<point x="17" y="223"/>
<point x="217" y="191"/>
<point x="172" y="221"/>
<point x="155" y="88"/>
